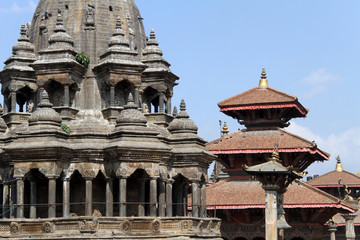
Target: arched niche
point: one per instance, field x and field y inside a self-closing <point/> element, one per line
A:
<point x="36" y="192"/>
<point x="99" y="196"/>
<point x="151" y="99"/>
<point x="180" y="195"/>
<point x="138" y="186"/>
<point x="77" y="194"/>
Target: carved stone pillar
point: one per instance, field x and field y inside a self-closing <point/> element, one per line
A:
<point x="13" y="101"/>
<point x="169" y="204"/>
<point x="332" y="229"/>
<point x="88" y="196"/>
<point x="112" y="96"/>
<point x="33" y="199"/>
<point x="137" y="96"/>
<point x="162" y="198"/>
<point x="122" y="196"/>
<point x="203" y="212"/>
<point x="161" y="103"/>
<point x="20" y="198"/>
<point x="66" y="197"/>
<point x="109" y="198"/>
<point x="13" y="199"/>
<point x="168" y="106"/>
<point x="271" y="232"/>
<point x="349" y="225"/>
<point x="196" y="197"/>
<point x="52" y="197"/>
<point x="66" y="96"/>
<point x="141" y="199"/>
<point x="153" y="197"/>
<point x="5" y="200"/>
<point x="5" y="105"/>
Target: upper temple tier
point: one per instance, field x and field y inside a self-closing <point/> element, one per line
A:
<point x="263" y="107"/>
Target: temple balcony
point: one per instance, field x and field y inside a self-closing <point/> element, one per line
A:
<point x="13" y="119"/>
<point x="115" y="227"/>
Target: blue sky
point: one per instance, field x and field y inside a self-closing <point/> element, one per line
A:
<point x="310" y="49"/>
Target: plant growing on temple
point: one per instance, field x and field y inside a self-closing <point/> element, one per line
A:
<point x="83" y="59"/>
<point x="65" y="128"/>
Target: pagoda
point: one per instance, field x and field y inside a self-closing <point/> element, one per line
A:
<point x="265" y="112"/>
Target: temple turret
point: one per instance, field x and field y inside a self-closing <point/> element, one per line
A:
<point x="263" y="107"/>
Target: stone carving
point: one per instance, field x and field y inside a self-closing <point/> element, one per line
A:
<point x="89" y="173"/>
<point x="186" y="225"/>
<point x="73" y="215"/>
<point x="90" y="16"/>
<point x="155" y="226"/>
<point x="88" y="226"/>
<point x="14" y="228"/>
<point x="121" y="172"/>
<point x="48" y="227"/>
<point x="126" y="226"/>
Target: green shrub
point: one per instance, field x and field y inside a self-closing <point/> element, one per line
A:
<point x="83" y="59"/>
<point x="65" y="128"/>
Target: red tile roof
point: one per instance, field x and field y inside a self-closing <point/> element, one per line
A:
<point x="331" y="179"/>
<point x="263" y="98"/>
<point x="262" y="141"/>
<point x="230" y="194"/>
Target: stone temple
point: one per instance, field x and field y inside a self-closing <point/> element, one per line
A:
<point x="89" y="145"/>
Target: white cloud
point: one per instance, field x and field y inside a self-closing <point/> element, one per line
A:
<point x="318" y="81"/>
<point x="16" y="8"/>
<point x="345" y="144"/>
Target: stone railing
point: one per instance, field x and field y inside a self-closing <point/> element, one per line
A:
<point x="93" y="227"/>
<point x="14" y="119"/>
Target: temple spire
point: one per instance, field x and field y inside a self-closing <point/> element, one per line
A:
<point x="339" y="167"/>
<point x="263" y="81"/>
<point x="225" y="130"/>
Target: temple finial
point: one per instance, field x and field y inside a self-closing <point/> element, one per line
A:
<point x="225" y="130"/>
<point x="263" y="81"/>
<point x="152" y="34"/>
<point x="275" y="157"/>
<point x="175" y="111"/>
<point x="130" y="98"/>
<point x="339" y="167"/>
<point x="182" y="106"/>
<point x="118" y="23"/>
<point x="23" y="30"/>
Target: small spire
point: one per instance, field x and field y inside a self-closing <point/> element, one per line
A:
<point x="182" y="106"/>
<point x="44" y="100"/>
<point x="118" y="23"/>
<point x="263" y="81"/>
<point x="59" y="24"/>
<point x="225" y="129"/>
<point x="175" y="111"/>
<point x="152" y="34"/>
<point x="130" y="98"/>
<point x="339" y="167"/>
<point x="23" y="30"/>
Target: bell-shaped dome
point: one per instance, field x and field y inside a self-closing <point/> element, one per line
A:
<point x="131" y="115"/>
<point x="44" y="114"/>
<point x="182" y="123"/>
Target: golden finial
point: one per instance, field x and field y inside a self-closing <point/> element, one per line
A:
<point x="275" y="157"/>
<point x="225" y="130"/>
<point x="263" y="81"/>
<point x="339" y="167"/>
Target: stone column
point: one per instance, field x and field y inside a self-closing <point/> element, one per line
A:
<point x="203" y="212"/>
<point x="141" y="199"/>
<point x="88" y="196"/>
<point x="66" y="96"/>
<point x="122" y="196"/>
<point x="13" y="199"/>
<point x="169" y="204"/>
<point x="66" y="197"/>
<point x="20" y="198"/>
<point x="161" y="103"/>
<point x="13" y="101"/>
<point x="33" y="199"/>
<point x="153" y="196"/>
<point x="136" y="96"/>
<point x="5" y="200"/>
<point x="109" y="198"/>
<point x="112" y="96"/>
<point x="271" y="232"/>
<point x="196" y="198"/>
<point x="168" y="106"/>
<point x="332" y="229"/>
<point x="162" y="198"/>
<point x="52" y="197"/>
<point x="281" y="220"/>
<point x="349" y="225"/>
